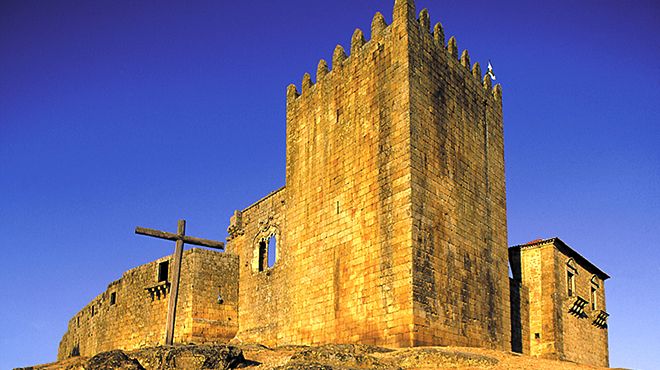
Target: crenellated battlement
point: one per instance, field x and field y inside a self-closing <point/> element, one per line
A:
<point x="404" y="17"/>
<point x="340" y="59"/>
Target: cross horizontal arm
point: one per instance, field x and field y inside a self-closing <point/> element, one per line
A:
<point x="174" y="237"/>
<point x="156" y="233"/>
<point x="203" y="242"/>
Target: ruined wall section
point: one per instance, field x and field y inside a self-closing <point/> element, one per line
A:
<point x="348" y="195"/>
<point x="136" y="316"/>
<point x="460" y="265"/>
<point x="264" y="302"/>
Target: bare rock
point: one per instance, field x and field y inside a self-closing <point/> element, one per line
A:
<point x="338" y="356"/>
<point x="191" y="357"/>
<point x="432" y="358"/>
<point x="112" y="360"/>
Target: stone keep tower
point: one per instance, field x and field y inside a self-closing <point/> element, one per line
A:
<point x="391" y="228"/>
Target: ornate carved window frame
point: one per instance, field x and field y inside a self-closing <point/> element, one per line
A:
<point x="259" y="255"/>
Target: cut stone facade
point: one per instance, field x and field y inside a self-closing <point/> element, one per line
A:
<point x="391" y="229"/>
<point x="566" y="309"/>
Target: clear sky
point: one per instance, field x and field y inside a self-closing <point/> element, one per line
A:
<point x="115" y="114"/>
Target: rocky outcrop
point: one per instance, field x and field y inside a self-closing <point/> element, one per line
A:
<point x="188" y="357"/>
<point x="112" y="360"/>
<point x="339" y="356"/>
<point x="326" y="357"/>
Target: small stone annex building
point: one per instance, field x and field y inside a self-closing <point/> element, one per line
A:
<point x="558" y="303"/>
<point x="391" y="229"/>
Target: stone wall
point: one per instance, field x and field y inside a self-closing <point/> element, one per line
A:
<point x="131" y="313"/>
<point x="519" y="317"/>
<point x="263" y="302"/>
<point x="583" y="341"/>
<point x="343" y="259"/>
<point x="460" y="263"/>
<point x="214" y="294"/>
<point x="348" y="195"/>
<point x="537" y="273"/>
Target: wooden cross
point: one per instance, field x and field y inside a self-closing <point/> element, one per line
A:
<point x="180" y="238"/>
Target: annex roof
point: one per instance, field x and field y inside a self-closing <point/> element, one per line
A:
<point x="564" y="248"/>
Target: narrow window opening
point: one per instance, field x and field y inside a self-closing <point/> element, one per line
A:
<point x="594" y="304"/>
<point x="78" y="321"/>
<point x="338" y="115"/>
<point x="113" y="298"/>
<point x="337" y="207"/>
<point x="262" y="255"/>
<point x="594" y="292"/>
<point x="571" y="271"/>
<point x="537" y="335"/>
<point x="92" y="311"/>
<point x="163" y="270"/>
<point x="272" y="251"/>
<point x="267" y="253"/>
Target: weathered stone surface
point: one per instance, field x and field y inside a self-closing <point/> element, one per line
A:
<point x="341" y="356"/>
<point x="112" y="360"/>
<point x="191" y="357"/>
<point x="441" y="358"/>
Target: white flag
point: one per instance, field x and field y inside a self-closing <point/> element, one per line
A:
<point x="490" y="71"/>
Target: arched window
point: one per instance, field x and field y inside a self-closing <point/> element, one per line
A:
<point x="265" y="251"/>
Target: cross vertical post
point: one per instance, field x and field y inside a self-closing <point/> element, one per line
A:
<point x="174" y="294"/>
<point x="180" y="238"/>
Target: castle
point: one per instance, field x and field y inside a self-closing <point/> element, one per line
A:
<point x="391" y="228"/>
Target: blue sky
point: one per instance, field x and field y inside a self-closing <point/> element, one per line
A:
<point x="115" y="114"/>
